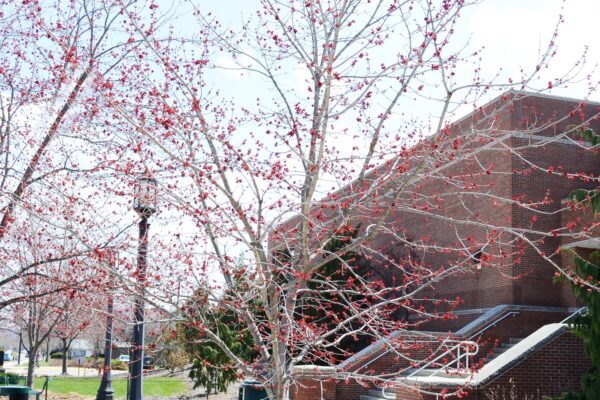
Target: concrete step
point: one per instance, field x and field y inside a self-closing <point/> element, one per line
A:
<point x="502" y="348"/>
<point x="429" y="372"/>
<point x="366" y="397"/>
<point x="375" y="393"/>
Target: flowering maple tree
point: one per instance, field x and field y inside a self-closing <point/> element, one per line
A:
<point x="62" y="199"/>
<point x="56" y="156"/>
<point x="308" y="158"/>
<point x="265" y="183"/>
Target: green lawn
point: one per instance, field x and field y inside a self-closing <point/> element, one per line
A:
<point x="159" y="386"/>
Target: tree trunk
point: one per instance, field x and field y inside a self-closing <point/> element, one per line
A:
<point x="65" y="356"/>
<point x="20" y="348"/>
<point x="47" y="349"/>
<point x="97" y="350"/>
<point x="280" y="391"/>
<point x="31" y="366"/>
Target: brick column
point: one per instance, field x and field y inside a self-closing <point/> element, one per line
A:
<point x="312" y="382"/>
<point x="404" y="392"/>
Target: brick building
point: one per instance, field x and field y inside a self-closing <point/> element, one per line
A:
<point x="491" y="221"/>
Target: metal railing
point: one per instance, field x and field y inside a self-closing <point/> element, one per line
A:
<point x="460" y="353"/>
<point x="461" y="350"/>
<point x="464" y="355"/>
<point x="390" y="348"/>
<point x="577" y="313"/>
<point x="486" y="325"/>
<point x="493" y="323"/>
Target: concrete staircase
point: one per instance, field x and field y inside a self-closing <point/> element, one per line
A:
<point x="503" y="348"/>
<point x="377" y="394"/>
<point x="374" y="394"/>
<point x="504" y="357"/>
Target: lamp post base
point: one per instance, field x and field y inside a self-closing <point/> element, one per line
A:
<point x="106" y="391"/>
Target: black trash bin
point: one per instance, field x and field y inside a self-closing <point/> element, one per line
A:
<point x="251" y="390"/>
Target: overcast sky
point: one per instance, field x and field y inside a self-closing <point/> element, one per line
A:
<point x="512" y="32"/>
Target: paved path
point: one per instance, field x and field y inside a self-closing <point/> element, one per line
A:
<point x="49" y="370"/>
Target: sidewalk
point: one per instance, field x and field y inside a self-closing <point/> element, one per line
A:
<point x="49" y="370"/>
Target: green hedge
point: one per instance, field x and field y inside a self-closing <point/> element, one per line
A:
<point x="118" y="365"/>
<point x="12" y="379"/>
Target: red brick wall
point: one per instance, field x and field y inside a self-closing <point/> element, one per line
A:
<point x="535" y="286"/>
<point x="449" y="325"/>
<point x="517" y="173"/>
<point x="548" y="117"/>
<point x="478" y="191"/>
<point x="390" y="364"/>
<point x="313" y="389"/>
<point x="517" y="273"/>
<point x="554" y="369"/>
<point x="351" y="389"/>
<point x="478" y="289"/>
<point x="407" y="393"/>
<point x="518" y="326"/>
<point x="313" y="384"/>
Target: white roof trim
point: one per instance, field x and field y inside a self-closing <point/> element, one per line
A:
<point x="591" y="243"/>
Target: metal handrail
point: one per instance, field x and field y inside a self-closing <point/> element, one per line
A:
<point x="470" y="349"/>
<point x="466" y="344"/>
<point x="466" y="355"/>
<point x="576" y="313"/>
<point x="493" y="323"/>
<point x="387" y="396"/>
<point x="390" y="349"/>
<point x="487" y="326"/>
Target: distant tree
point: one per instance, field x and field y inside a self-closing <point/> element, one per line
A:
<point x="177" y="357"/>
<point x="37" y="318"/>
<point x="75" y="319"/>
<point x="213" y="368"/>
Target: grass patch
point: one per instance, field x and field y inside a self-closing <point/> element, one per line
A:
<point x="153" y="386"/>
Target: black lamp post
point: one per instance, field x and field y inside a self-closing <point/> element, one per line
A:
<point x="106" y="391"/>
<point x="144" y="203"/>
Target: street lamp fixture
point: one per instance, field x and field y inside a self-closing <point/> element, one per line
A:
<point x="145" y="194"/>
<point x="144" y="203"/>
